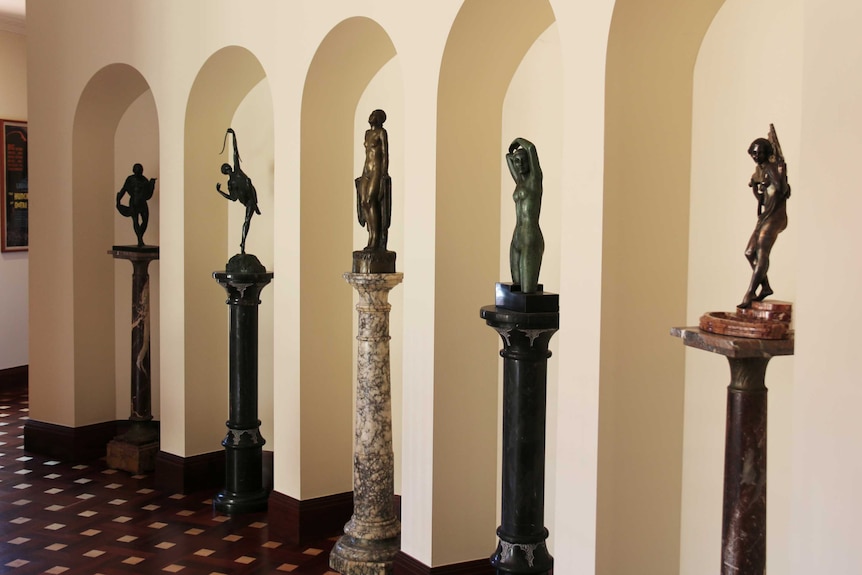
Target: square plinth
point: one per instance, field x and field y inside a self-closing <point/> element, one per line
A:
<point x="133" y="458"/>
<point x="730" y="346"/>
<point x="509" y="296"/>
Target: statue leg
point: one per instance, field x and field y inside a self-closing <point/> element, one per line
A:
<point x="515" y="259"/>
<point x="760" y="267"/>
<point x="531" y="261"/>
<point x="245" y="226"/>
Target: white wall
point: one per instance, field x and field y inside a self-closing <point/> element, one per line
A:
<point x="826" y="471"/>
<point x="13" y="265"/>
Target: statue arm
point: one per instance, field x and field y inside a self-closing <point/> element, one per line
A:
<point x="224" y="195"/>
<point x="384" y="149"/>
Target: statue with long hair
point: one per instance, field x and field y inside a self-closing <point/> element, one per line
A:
<point x="239" y="187"/>
<point x="771" y="189"/>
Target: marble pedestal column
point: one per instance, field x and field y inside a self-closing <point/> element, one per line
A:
<point x="244" y="490"/>
<point x="372" y="537"/>
<point x="526" y="335"/>
<point x="743" y="532"/>
<point x="135" y="450"/>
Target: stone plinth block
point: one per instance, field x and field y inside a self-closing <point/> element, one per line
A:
<point x="372" y="537"/>
<point x="131" y="457"/>
<point x="244" y="490"/>
<point x="526" y="335"/>
<point x="743" y="534"/>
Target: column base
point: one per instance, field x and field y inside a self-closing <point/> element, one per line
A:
<point x="132" y="457"/>
<point x="229" y="503"/>
<point x="522" y="558"/>
<point x="353" y="556"/>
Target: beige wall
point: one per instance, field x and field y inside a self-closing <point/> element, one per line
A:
<point x="641" y="113"/>
<point x="13" y="265"/>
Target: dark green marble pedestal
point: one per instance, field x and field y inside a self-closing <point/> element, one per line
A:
<point x="743" y="535"/>
<point x="522" y="534"/>
<point x="244" y="490"/>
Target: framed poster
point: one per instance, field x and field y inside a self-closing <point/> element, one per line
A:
<point x="14" y="187"/>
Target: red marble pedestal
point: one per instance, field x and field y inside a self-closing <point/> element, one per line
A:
<point x="743" y="534"/>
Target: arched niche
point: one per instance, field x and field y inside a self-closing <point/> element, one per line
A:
<point x="136" y="140"/>
<point x="221" y="86"/>
<point x="486" y="44"/>
<point x="103" y="102"/>
<point x="726" y="117"/>
<point x="347" y="59"/>
<point x="652" y="48"/>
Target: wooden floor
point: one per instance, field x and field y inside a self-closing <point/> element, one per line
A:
<point x="87" y="520"/>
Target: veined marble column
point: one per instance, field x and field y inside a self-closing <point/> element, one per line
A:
<point x="372" y="537"/>
<point x="244" y="490"/>
<point x="135" y="450"/>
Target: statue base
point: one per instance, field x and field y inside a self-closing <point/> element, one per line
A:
<point x="768" y="319"/>
<point x="134" y="249"/>
<point x="373" y="262"/>
<point x="244" y="264"/>
<point x="132" y="457"/>
<point x="509" y="296"/>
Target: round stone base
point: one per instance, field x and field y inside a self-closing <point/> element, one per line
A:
<point x="352" y="556"/>
<point x="230" y="503"/>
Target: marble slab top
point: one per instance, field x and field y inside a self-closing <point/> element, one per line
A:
<point x="735" y="347"/>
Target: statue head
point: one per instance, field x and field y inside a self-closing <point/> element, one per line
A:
<point x="760" y="150"/>
<point x="137" y="169"/>
<point x="377" y="118"/>
<point x="225" y="169"/>
<point x="521" y="161"/>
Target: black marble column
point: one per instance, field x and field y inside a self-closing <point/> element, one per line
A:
<point x="526" y="335"/>
<point x="244" y="490"/>
<point x="743" y="532"/>
<point x="141" y="431"/>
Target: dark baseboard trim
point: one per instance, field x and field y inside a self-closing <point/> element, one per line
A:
<point x="188" y="474"/>
<point x="15" y="376"/>
<point x="406" y="565"/>
<point x="301" y="522"/>
<point x="75" y="444"/>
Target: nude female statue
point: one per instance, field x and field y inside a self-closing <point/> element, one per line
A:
<point x="770" y="188"/>
<point x="373" y="187"/>
<point x="528" y="244"/>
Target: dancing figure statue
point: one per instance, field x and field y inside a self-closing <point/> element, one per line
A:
<point x="528" y="244"/>
<point x="140" y="190"/>
<point x="239" y="187"/>
<point x="771" y="189"/>
<point x="374" y="187"/>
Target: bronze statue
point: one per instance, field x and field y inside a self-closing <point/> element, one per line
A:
<point x="140" y="190"/>
<point x="374" y="187"/>
<point x="528" y="244"/>
<point x="239" y="187"/>
<point x="771" y="189"/>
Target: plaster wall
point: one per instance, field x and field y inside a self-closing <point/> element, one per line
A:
<point x="13" y="265"/>
<point x="825" y="472"/>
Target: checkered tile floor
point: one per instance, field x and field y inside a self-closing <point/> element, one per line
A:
<point x="87" y="520"/>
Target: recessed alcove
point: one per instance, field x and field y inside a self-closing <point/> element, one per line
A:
<point x="97" y="145"/>
<point x="485" y="46"/>
<point x="343" y="66"/>
<point x="224" y="81"/>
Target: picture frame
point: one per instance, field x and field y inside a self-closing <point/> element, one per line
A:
<point x="14" y="187"/>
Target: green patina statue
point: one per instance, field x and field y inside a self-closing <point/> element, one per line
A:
<point x="528" y="244"/>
